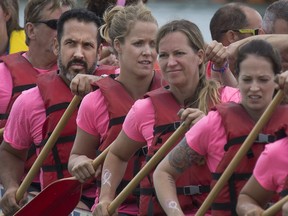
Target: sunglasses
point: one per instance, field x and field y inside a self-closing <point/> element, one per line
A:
<point x="244" y="31"/>
<point x="50" y="23"/>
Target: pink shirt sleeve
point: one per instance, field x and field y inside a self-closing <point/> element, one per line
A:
<point x="5" y="87"/>
<point x="230" y="94"/>
<point x="93" y="115"/>
<point x="24" y="125"/>
<point x="207" y="137"/>
<point x="272" y="176"/>
<point x="139" y="122"/>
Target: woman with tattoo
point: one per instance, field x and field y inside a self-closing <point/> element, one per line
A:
<point x="217" y="137"/>
<point x="152" y="120"/>
<point x="267" y="179"/>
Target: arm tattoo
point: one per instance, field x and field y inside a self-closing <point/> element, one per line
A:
<point x="106" y="177"/>
<point x="182" y="157"/>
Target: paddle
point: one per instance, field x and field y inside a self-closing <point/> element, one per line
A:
<point x="241" y="153"/>
<point x="147" y="168"/>
<point x="47" y="147"/>
<point x="51" y="201"/>
<point x="276" y="207"/>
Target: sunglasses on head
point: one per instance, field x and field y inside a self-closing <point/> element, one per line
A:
<point x="50" y="23"/>
<point x="244" y="31"/>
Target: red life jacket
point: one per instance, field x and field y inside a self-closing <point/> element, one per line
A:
<point x="238" y="124"/>
<point x="55" y="165"/>
<point x="193" y="185"/>
<point x="23" y="76"/>
<point x="119" y="103"/>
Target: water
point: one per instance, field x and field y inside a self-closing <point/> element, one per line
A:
<point x="198" y="11"/>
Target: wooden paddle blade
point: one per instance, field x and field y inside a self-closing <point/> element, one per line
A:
<point x="59" y="198"/>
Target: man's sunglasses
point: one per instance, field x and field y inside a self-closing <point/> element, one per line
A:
<point x="244" y="31"/>
<point x="50" y="23"/>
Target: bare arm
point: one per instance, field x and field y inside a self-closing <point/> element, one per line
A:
<point x="176" y="162"/>
<point x="122" y="149"/>
<point x="82" y="154"/>
<point x="11" y="171"/>
<point x="278" y="41"/>
<point x="285" y="209"/>
<point x="252" y="198"/>
<point x="218" y="55"/>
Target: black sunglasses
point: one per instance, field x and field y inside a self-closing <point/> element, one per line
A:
<point x="50" y="23"/>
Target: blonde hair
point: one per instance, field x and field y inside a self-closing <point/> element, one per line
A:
<point x="120" y="20"/>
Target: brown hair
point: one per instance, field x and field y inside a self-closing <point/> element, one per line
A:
<point x="11" y="7"/>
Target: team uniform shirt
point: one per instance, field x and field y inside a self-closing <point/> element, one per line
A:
<point x="201" y="138"/>
<point x="6" y="84"/>
<point x="140" y="120"/>
<point x="271" y="169"/>
<point x="24" y="125"/>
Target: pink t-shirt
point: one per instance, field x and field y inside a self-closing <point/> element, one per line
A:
<point x="272" y="176"/>
<point x="6" y="84"/>
<point x="24" y="125"/>
<point x="140" y="120"/>
<point x="206" y="143"/>
<point x="93" y="115"/>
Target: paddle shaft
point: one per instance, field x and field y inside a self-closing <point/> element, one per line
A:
<point x="147" y="168"/>
<point x="276" y="207"/>
<point x="47" y="148"/>
<point x="241" y="153"/>
<point x="1" y="132"/>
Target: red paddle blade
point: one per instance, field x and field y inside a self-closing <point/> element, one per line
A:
<point x="59" y="198"/>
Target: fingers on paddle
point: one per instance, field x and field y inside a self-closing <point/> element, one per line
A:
<point x="84" y="172"/>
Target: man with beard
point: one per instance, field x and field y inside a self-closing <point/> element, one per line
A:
<point x="36" y="111"/>
<point x="18" y="71"/>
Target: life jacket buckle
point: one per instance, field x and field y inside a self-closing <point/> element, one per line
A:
<point x="191" y="190"/>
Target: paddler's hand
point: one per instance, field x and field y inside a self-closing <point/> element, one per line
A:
<point x="102" y="209"/>
<point x="285" y="209"/>
<point x="83" y="169"/>
<point x="282" y="81"/>
<point x="81" y="84"/>
<point x="190" y="116"/>
<point x="8" y="202"/>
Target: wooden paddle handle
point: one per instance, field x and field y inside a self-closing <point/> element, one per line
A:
<point x="47" y="148"/>
<point x="241" y="153"/>
<point x="100" y="158"/>
<point x="147" y="168"/>
<point x="276" y="207"/>
<point x="1" y="132"/>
